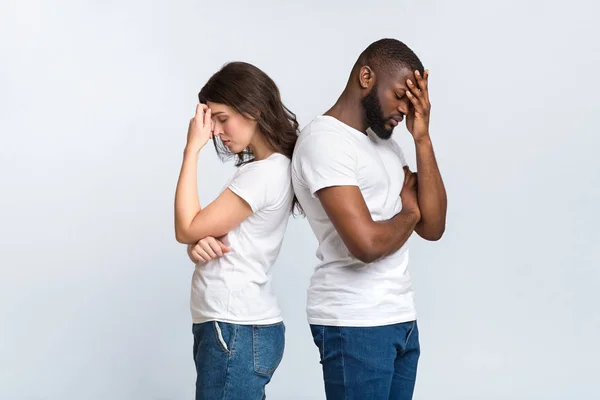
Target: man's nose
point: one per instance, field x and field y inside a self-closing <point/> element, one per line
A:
<point x="404" y="106"/>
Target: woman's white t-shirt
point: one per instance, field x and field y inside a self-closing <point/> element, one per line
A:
<point x="237" y="288"/>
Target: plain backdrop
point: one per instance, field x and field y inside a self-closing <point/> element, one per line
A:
<point x="95" y="97"/>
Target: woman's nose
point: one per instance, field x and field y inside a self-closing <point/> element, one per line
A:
<point x="216" y="129"/>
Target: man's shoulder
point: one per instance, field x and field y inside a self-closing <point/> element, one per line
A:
<point x="322" y="132"/>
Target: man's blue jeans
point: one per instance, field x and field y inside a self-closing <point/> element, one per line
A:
<point x="368" y="363"/>
<point x="236" y="362"/>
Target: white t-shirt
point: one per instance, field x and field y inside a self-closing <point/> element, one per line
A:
<point x="343" y="290"/>
<point x="237" y="288"/>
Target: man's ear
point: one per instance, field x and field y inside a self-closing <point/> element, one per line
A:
<point x="366" y="77"/>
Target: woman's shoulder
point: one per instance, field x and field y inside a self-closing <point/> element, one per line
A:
<point x="272" y="169"/>
<point x="271" y="177"/>
<point x="275" y="164"/>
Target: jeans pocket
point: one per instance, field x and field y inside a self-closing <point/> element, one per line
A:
<point x="218" y="327"/>
<point x="268" y="342"/>
<point x="318" y="333"/>
<point x="412" y="331"/>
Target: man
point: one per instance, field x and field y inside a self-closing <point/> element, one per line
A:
<point x="363" y="203"/>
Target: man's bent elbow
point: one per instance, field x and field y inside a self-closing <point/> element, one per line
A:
<point x="432" y="235"/>
<point x="436" y="237"/>
<point x="365" y="252"/>
<point x="365" y="257"/>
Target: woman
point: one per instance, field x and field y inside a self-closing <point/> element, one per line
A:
<point x="237" y="323"/>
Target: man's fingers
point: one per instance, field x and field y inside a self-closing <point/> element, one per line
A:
<point x="426" y="86"/>
<point x="407" y="173"/>
<point x="419" y="93"/>
<point x="415" y="182"/>
<point x="422" y="80"/>
<point x="413" y="88"/>
<point x="412" y="179"/>
<point x="415" y="178"/>
<point x="413" y="99"/>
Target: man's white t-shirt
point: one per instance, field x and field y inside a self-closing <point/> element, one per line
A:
<point x="343" y="290"/>
<point x="237" y="288"/>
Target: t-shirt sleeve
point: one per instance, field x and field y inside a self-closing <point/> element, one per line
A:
<point x="327" y="160"/>
<point x="400" y="153"/>
<point x="250" y="183"/>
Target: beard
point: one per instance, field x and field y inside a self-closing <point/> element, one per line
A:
<point x="374" y="115"/>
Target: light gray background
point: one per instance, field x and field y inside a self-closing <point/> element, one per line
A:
<point x="95" y="97"/>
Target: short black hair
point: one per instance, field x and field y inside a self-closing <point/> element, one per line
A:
<point x="389" y="55"/>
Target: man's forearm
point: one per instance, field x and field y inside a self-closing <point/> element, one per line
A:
<point x="431" y="192"/>
<point x="389" y="236"/>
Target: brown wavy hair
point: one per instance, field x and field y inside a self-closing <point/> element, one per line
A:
<point x="251" y="92"/>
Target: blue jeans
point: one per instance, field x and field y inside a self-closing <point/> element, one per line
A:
<point x="236" y="361"/>
<point x="373" y="363"/>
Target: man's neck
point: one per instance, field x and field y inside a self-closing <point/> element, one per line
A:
<point x="348" y="109"/>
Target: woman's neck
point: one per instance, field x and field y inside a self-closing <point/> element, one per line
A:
<point x="260" y="148"/>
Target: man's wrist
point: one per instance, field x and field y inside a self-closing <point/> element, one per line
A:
<point x="423" y="140"/>
<point x="412" y="214"/>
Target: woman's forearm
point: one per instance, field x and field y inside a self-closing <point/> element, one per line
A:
<point x="187" y="204"/>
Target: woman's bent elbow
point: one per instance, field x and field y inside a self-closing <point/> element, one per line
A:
<point x="182" y="237"/>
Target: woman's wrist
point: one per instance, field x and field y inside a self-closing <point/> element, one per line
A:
<point x="191" y="151"/>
